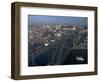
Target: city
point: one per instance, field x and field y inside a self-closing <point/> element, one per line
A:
<point x="57" y="45"/>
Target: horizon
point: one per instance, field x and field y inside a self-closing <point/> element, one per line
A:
<point x="57" y="20"/>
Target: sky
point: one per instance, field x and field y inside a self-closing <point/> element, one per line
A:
<point x="63" y="20"/>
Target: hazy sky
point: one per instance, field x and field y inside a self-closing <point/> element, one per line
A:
<point x="36" y="19"/>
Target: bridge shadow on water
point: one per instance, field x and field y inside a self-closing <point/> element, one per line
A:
<point x="76" y="56"/>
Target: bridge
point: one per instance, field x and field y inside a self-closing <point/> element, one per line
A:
<point x="60" y="49"/>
